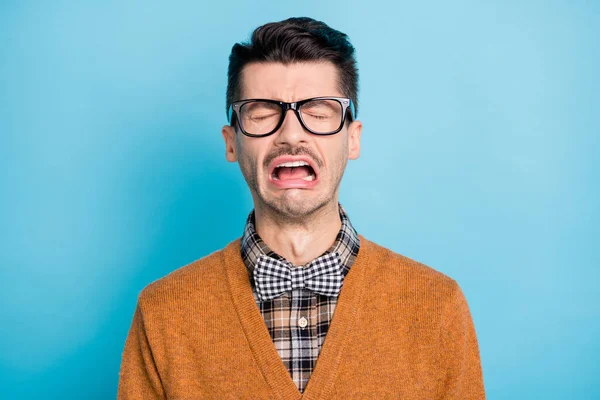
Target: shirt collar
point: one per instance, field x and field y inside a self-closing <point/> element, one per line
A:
<point x="347" y="244"/>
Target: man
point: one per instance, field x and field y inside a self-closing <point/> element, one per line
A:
<point x="300" y="306"/>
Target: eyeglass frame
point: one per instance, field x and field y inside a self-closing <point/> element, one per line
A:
<point x="295" y="106"/>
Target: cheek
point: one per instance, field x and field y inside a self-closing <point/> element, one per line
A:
<point x="338" y="152"/>
<point x="248" y="157"/>
<point x="256" y="150"/>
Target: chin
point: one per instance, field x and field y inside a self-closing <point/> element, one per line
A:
<point x="295" y="206"/>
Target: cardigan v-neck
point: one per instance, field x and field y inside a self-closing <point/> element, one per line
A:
<point x="400" y="330"/>
<point x="261" y="344"/>
<point x="298" y="320"/>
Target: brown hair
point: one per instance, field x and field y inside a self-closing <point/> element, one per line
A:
<point x="295" y="40"/>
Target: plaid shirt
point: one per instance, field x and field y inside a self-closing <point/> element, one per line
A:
<point x="299" y="319"/>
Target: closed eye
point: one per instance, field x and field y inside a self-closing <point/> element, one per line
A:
<point x="262" y="117"/>
<point x="320" y="117"/>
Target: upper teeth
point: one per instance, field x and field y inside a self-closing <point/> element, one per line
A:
<point x="293" y="164"/>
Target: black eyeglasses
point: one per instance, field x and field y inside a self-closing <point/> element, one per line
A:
<point x="318" y="115"/>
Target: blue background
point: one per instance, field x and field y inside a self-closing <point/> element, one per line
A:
<point x="480" y="159"/>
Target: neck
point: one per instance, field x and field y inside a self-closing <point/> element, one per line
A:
<point x="299" y="242"/>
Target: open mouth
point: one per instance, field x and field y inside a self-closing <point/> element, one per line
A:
<point x="294" y="170"/>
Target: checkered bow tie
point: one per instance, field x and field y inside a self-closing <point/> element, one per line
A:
<point x="274" y="277"/>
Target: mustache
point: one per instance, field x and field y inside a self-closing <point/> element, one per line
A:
<point x="292" y="151"/>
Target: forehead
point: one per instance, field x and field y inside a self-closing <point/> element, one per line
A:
<point x="291" y="82"/>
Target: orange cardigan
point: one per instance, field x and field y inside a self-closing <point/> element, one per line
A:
<point x="401" y="330"/>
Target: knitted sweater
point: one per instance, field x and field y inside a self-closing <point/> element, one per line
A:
<point x="401" y="330"/>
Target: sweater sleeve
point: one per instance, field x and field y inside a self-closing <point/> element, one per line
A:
<point x="139" y="378"/>
<point x="463" y="378"/>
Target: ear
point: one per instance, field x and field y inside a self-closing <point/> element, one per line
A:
<point x="228" y="133"/>
<point x="354" y="131"/>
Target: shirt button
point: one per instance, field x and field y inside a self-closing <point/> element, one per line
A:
<point x="302" y="322"/>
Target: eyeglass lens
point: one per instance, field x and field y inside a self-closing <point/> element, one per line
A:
<point x="320" y="116"/>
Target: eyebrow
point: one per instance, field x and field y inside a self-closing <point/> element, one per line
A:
<point x="254" y="105"/>
<point x="322" y="102"/>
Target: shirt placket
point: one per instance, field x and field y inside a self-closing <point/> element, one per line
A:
<point x="303" y="334"/>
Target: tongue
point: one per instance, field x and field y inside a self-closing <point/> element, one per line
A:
<point x="285" y="173"/>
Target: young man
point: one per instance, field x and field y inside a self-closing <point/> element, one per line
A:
<point x="300" y="306"/>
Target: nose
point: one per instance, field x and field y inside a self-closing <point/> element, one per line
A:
<point x="291" y="132"/>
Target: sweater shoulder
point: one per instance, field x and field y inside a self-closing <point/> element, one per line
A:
<point x="186" y="280"/>
<point x="421" y="291"/>
<point x="408" y="271"/>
